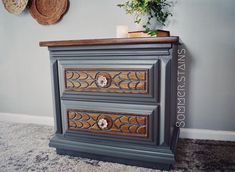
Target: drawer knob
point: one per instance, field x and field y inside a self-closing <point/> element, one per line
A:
<point x="102" y="81"/>
<point x="103" y="123"/>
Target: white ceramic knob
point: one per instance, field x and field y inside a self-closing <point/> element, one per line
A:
<point x="103" y="123"/>
<point x="102" y="81"/>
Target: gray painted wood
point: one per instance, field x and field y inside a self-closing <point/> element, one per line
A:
<point x="159" y="103"/>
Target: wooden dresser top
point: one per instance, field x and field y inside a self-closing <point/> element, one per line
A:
<point x="110" y="41"/>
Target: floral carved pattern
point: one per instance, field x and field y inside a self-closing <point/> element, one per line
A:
<point x="109" y="123"/>
<point x="110" y="81"/>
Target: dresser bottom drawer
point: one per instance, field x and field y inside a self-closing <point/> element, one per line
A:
<point x="110" y="121"/>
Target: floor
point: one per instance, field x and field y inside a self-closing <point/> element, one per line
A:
<point x="24" y="147"/>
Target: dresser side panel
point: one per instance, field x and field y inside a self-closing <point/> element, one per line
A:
<point x="56" y="96"/>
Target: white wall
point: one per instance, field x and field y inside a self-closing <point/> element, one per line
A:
<point x="24" y="71"/>
<point x="205" y="26"/>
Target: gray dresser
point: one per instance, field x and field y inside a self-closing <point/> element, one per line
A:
<point x="115" y="99"/>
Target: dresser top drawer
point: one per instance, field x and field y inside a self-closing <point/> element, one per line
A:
<point x="109" y="80"/>
<point x="133" y="81"/>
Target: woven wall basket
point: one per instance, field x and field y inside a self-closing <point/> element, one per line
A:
<point x="48" y="11"/>
<point x="15" y="6"/>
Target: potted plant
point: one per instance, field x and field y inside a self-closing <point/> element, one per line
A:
<point x="146" y="11"/>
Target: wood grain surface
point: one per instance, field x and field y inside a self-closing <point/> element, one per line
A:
<point x="134" y="81"/>
<point x="117" y="123"/>
<point x="110" y="41"/>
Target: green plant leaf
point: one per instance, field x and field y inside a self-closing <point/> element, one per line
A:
<point x="158" y="9"/>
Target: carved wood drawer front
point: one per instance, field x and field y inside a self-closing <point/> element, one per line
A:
<point x="136" y="80"/>
<point x="133" y="81"/>
<point x="125" y="124"/>
<point x="133" y="123"/>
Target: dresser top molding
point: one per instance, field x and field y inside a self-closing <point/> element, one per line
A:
<point x="110" y="41"/>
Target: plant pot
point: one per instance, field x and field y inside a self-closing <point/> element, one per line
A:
<point x="139" y="29"/>
<point x="137" y="34"/>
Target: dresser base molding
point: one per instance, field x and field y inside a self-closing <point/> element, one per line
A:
<point x="162" y="159"/>
<point x="125" y="161"/>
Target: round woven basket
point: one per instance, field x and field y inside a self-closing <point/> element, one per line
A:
<point x="48" y="11"/>
<point x="15" y="6"/>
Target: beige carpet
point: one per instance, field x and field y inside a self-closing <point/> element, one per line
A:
<point x="24" y="148"/>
